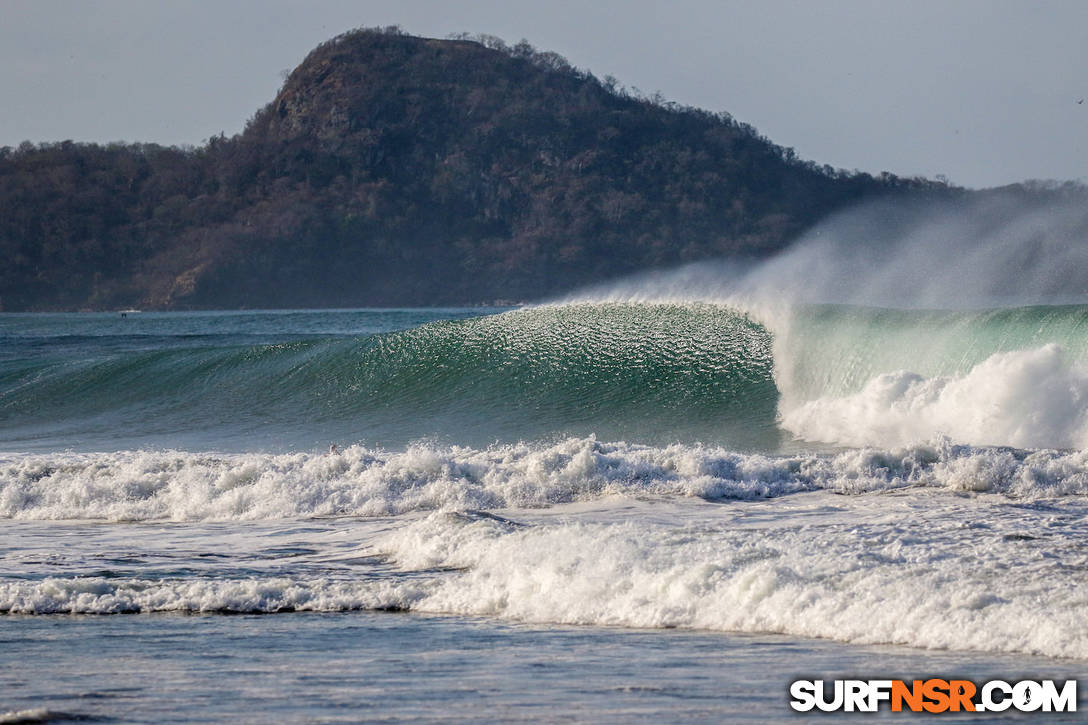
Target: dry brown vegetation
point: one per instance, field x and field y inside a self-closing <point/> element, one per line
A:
<point x="396" y="170"/>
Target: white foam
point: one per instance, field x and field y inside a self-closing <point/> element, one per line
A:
<point x="1027" y="398"/>
<point x="883" y="572"/>
<point x="98" y="595"/>
<point x="35" y="715"/>
<point x="926" y="567"/>
<point x="184" y="486"/>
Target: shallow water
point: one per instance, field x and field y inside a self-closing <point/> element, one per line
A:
<point x="366" y="666"/>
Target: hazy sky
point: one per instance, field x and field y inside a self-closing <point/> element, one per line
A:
<point x="983" y="91"/>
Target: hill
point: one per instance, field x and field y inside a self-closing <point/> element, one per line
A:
<point x="398" y="170"/>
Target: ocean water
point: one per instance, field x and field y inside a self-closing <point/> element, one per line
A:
<point x="601" y="509"/>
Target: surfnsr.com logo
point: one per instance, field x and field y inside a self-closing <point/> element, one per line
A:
<point x="933" y="695"/>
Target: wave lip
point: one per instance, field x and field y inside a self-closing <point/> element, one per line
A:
<point x="661" y="372"/>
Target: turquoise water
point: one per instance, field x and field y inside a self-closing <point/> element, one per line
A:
<point x="386" y="377"/>
<point x="588" y="511"/>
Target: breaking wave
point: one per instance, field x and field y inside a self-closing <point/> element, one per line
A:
<point x="749" y="377"/>
<point x="185" y="486"/>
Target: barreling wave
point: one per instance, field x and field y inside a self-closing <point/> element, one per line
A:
<point x="751" y="377"/>
<point x="664" y="372"/>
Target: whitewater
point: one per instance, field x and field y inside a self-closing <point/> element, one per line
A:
<point x="664" y="498"/>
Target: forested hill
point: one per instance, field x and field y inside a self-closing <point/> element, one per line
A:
<point x="396" y="170"/>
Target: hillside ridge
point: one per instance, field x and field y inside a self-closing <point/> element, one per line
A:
<point x="397" y="170"/>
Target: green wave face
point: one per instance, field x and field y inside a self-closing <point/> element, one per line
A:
<point x="834" y="350"/>
<point x="651" y="373"/>
<point x="648" y="373"/>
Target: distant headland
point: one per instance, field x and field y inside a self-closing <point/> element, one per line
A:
<point x="399" y="170"/>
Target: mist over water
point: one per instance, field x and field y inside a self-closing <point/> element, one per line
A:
<point x="899" y="322"/>
<point x="998" y="250"/>
<point x="1001" y="249"/>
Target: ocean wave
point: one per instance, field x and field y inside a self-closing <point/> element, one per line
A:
<point x="731" y="372"/>
<point x="99" y="595"/>
<point x="671" y="371"/>
<point x="888" y="575"/>
<point x="920" y="568"/>
<point x="1027" y="398"/>
<point x="186" y="486"/>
